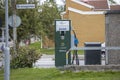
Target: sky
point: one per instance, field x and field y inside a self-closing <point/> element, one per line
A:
<point x="61" y="3"/>
<point x="57" y="1"/>
<point x="118" y="1"/>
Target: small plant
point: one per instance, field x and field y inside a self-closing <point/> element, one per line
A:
<point x="24" y="57"/>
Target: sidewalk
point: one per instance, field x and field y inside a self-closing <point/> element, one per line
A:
<point x="48" y="61"/>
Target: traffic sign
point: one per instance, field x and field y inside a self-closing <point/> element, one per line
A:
<point x="25" y="6"/>
<point x="14" y="21"/>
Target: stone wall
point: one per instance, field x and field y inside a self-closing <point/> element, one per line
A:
<point x="113" y="36"/>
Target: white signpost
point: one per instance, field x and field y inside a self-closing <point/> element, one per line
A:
<point x="25" y="6"/>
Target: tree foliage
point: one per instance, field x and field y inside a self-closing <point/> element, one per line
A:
<point x="33" y="22"/>
<point x="30" y="22"/>
<point x="2" y="14"/>
<point x="49" y="12"/>
<point x="112" y="1"/>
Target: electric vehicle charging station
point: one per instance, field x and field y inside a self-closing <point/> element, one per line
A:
<point x="62" y="42"/>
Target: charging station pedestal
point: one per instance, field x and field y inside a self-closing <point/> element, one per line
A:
<point x="62" y="42"/>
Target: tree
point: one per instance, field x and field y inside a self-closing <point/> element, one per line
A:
<point x="2" y="18"/>
<point x="112" y="1"/>
<point x="47" y="16"/>
<point x="2" y="11"/>
<point x="30" y="22"/>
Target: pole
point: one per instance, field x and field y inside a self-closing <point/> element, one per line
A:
<point x="14" y="37"/>
<point x="6" y="22"/>
<point x="106" y="57"/>
<point x="3" y="39"/>
<point x="41" y="42"/>
<point x="14" y="24"/>
<point x="6" y="50"/>
<point x="7" y="63"/>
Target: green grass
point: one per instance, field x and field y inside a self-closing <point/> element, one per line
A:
<point x="50" y="51"/>
<point x="55" y="74"/>
<point x="37" y="45"/>
<point x="80" y="52"/>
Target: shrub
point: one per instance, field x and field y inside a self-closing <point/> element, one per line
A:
<point x="24" y="57"/>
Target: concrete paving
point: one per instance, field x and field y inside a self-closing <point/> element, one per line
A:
<point x="48" y="61"/>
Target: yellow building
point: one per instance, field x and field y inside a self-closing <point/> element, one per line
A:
<point x="88" y="19"/>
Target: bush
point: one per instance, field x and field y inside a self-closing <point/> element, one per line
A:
<point x="24" y="57"/>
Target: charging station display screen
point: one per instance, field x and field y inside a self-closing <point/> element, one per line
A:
<point x="62" y="26"/>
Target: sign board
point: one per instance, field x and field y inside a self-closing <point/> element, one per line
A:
<point x="62" y="25"/>
<point x="25" y="6"/>
<point x="14" y="21"/>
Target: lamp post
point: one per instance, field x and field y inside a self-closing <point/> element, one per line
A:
<point x="6" y="49"/>
<point x="3" y="32"/>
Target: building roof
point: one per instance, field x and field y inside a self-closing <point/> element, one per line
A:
<point x="98" y="4"/>
<point x="82" y="3"/>
<point x="85" y="12"/>
<point x="114" y="7"/>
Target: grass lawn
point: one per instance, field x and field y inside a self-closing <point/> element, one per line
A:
<point x="55" y="74"/>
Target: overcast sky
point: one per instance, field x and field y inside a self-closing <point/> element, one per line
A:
<point x="118" y="1"/>
<point x="61" y="3"/>
<point x="58" y="2"/>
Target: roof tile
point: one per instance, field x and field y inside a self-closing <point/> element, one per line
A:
<point x="98" y="4"/>
<point x="115" y="7"/>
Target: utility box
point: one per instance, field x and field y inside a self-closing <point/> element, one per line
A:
<point x="92" y="57"/>
<point x="62" y="42"/>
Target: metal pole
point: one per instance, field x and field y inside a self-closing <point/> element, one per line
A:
<point x="3" y="39"/>
<point x="6" y="50"/>
<point x="14" y="24"/>
<point x="14" y="37"/>
<point x="3" y="44"/>
<point x="7" y="64"/>
<point x="106" y="57"/>
<point x="6" y="22"/>
<point x="41" y="43"/>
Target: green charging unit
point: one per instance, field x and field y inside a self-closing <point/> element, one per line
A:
<point x="62" y="42"/>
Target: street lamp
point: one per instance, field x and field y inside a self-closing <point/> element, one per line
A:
<point x="6" y="49"/>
